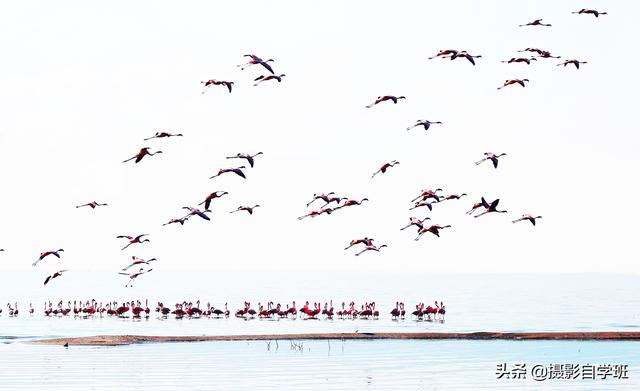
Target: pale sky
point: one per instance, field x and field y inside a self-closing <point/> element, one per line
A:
<point x="82" y="84"/>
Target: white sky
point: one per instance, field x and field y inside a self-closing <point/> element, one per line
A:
<point x="81" y="85"/>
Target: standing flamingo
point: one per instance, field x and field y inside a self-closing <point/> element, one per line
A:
<point x="143" y="152"/>
<point x="43" y="255"/>
<point x="384" y="167"/>
<point x="250" y="158"/>
<point x="384" y="98"/>
<point x="528" y="217"/>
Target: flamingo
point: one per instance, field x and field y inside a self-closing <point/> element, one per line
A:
<point x="444" y="53"/>
<point x="211" y="197"/>
<point x="133" y="276"/>
<point x="415" y="221"/>
<point x="263" y="78"/>
<point x="320" y="196"/>
<point x="395" y="313"/>
<point x="250" y="158"/>
<point x="576" y="63"/>
<point x="384" y="167"/>
<point x="540" y="52"/>
<point x="527" y="217"/>
<point x="91" y="204"/>
<point x="247" y="208"/>
<point x="212" y="82"/>
<point x="421" y="204"/>
<point x="180" y="220"/>
<point x="138" y="261"/>
<point x="351" y="203"/>
<point x="315" y="213"/>
<point x="434" y="229"/>
<point x="163" y="135"/>
<point x="237" y="171"/>
<point x="256" y="60"/>
<point x="513" y="81"/>
<point x="464" y="54"/>
<point x="491" y="156"/>
<point x="588" y="11"/>
<point x="366" y="241"/>
<point x="54" y="275"/>
<point x="196" y="211"/>
<point x="371" y="248"/>
<point x="133" y="240"/>
<point x="383" y="98"/>
<point x="476" y="206"/>
<point x="520" y="59"/>
<point x="537" y="22"/>
<point x="426" y="194"/>
<point x="490" y="208"/>
<point x="546" y="54"/>
<point x="43" y="255"/>
<point x="424" y="123"/>
<point x="143" y="152"/>
<point x="333" y="199"/>
<point x="453" y="197"/>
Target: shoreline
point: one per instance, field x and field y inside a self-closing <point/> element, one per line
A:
<point x="117" y="340"/>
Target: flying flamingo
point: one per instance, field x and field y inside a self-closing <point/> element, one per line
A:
<point x="476" y="206"/>
<point x="576" y="63"/>
<point x="434" y="229"/>
<point x="333" y="199"/>
<point x="212" y="82"/>
<point x="490" y="208"/>
<point x="43" y="255"/>
<point x="133" y="240"/>
<point x="546" y="54"/>
<point x="415" y="221"/>
<point x="352" y="203"/>
<point x="250" y="158"/>
<point x="320" y="196"/>
<point x="444" y="53"/>
<point x="588" y="11"/>
<point x="513" y="81"/>
<point x="534" y="50"/>
<point x="315" y="213"/>
<point x="138" y="261"/>
<point x="54" y="275"/>
<point x="211" y="197"/>
<point x="537" y="22"/>
<point x="196" y="211"/>
<point x="180" y="220"/>
<point x="133" y="276"/>
<point x="163" y="135"/>
<point x="91" y="204"/>
<point x="491" y="156"/>
<point x="256" y="60"/>
<point x="383" y="98"/>
<point x="143" y="152"/>
<point x="237" y="171"/>
<point x="464" y="54"/>
<point x="247" y="208"/>
<point x="263" y="78"/>
<point x="426" y="194"/>
<point x="424" y="123"/>
<point x="527" y="217"/>
<point x="371" y="248"/>
<point x="421" y="204"/>
<point x="520" y="59"/>
<point x="366" y="241"/>
<point x="453" y="197"/>
<point x="384" y="167"/>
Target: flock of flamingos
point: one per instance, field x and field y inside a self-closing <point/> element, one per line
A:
<point x="331" y="203"/>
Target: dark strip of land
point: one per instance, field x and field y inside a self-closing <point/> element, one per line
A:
<point x="113" y="340"/>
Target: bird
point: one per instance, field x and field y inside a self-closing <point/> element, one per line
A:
<point x="371" y="248"/>
<point x="453" y="197"/>
<point x="537" y="22"/>
<point x="92" y="204"/>
<point x="527" y="217"/>
<point x="256" y="60"/>
<point x="366" y="241"/>
<point x="143" y="152"/>
<point x="247" y="208"/>
<point x="133" y="240"/>
<point x="424" y="123"/>
<point x="196" y="211"/>
<point x="384" y="98"/>
<point x="434" y="229"/>
<point x="384" y="167"/>
<point x="588" y="11"/>
<point x="352" y="203"/>
<point x="211" y="197"/>
<point x="212" y="82"/>
<point x="180" y="220"/>
<point x="541" y="52"/>
<point x="464" y="54"/>
<point x="250" y="158"/>
<point x="491" y="156"/>
<point x="576" y="63"/>
<point x="263" y="78"/>
<point x="444" y="53"/>
<point x="520" y="59"/>
<point x="237" y="171"/>
<point x="421" y="204"/>
<point x="163" y="135"/>
<point x="546" y="54"/>
<point x="415" y="221"/>
<point x="426" y="194"/>
<point x="513" y="81"/>
<point x="43" y="255"/>
<point x="54" y="275"/>
<point x="329" y="200"/>
<point x="133" y="276"/>
<point x="320" y="196"/>
<point x="490" y="208"/>
<point x="315" y="213"/>
<point x="138" y="261"/>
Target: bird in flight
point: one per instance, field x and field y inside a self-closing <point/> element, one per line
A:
<point x="54" y="275"/>
<point x="133" y="276"/>
<point x="371" y="248"/>
<point x="366" y="241"/>
<point x="196" y="211"/>
<point x="211" y="197"/>
<point x="351" y="203"/>
<point x="490" y="208"/>
<point x="256" y="60"/>
<point x="424" y="123"/>
<point x="237" y="171"/>
<point x="576" y="63"/>
<point x="588" y="11"/>
<point x="520" y="59"/>
<point x="245" y="208"/>
<point x="384" y="167"/>
<point x="513" y="81"/>
<point x="163" y="135"/>
<point x="464" y="54"/>
<point x="133" y="240"/>
<point x="45" y="254"/>
<point x="143" y="152"/>
<point x="434" y="229"/>
<point x="528" y="217"/>
<point x="212" y="82"/>
<point x="138" y="261"/>
<point x="444" y="53"/>
<point x="315" y="213"/>
<point x="92" y="204"/>
<point x="321" y="196"/>
<point x="415" y="221"/>
<point x="537" y="22"/>
<point x="180" y="220"/>
<point x="491" y="156"/>
<point x="385" y="98"/>
<point x="263" y="78"/>
<point x="248" y="157"/>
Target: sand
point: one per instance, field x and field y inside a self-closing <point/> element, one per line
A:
<point x="114" y="340"/>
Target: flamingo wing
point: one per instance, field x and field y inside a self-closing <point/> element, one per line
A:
<point x="494" y="204"/>
<point x="240" y="173"/>
<point x="267" y="66"/>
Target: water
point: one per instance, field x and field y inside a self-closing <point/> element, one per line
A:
<point x="474" y="303"/>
